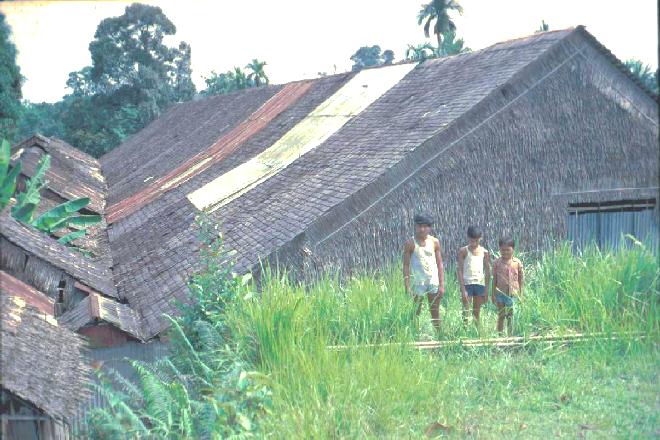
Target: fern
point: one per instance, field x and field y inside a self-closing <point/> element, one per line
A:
<point x="203" y="389"/>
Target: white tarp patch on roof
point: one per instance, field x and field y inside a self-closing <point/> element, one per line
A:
<point x="326" y="119"/>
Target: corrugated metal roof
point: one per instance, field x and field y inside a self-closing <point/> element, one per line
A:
<point x="228" y="143"/>
<point x="356" y="95"/>
<point x="14" y="287"/>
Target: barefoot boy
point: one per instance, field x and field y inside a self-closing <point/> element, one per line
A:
<point x="423" y="273"/>
<point x="473" y="272"/>
<point x="507" y="284"/>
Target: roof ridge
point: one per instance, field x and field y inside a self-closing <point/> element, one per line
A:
<point x="615" y="61"/>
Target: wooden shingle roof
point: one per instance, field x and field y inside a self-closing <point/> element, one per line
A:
<point x="315" y="189"/>
<point x="94" y="273"/>
<point x="42" y="362"/>
<point x="155" y="248"/>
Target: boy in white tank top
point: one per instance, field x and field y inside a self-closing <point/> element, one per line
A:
<point x="473" y="270"/>
<point x="423" y="273"/>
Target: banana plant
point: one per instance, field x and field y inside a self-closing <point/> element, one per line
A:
<point x="28" y="200"/>
<point x="66" y="215"/>
<point x="8" y="174"/>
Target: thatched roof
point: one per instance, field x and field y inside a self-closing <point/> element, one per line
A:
<point x="94" y="273"/>
<point x="42" y="362"/>
<point x="154" y="249"/>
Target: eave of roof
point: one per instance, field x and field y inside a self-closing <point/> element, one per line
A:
<point x="93" y="273"/>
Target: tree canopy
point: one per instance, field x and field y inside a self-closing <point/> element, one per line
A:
<point x="134" y="76"/>
<point x="369" y="56"/>
<point x="10" y="83"/>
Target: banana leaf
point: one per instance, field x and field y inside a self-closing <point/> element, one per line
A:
<point x="68" y="238"/>
<point x="5" y="157"/>
<point x="31" y="196"/>
<point x="84" y="220"/>
<point x="59" y="216"/>
<point x="23" y="212"/>
<point x="8" y="185"/>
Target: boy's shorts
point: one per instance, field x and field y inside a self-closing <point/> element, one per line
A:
<point x="507" y="300"/>
<point x="475" y="289"/>
<point x="424" y="289"/>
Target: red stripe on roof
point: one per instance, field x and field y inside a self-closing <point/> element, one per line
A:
<point x="14" y="287"/>
<point x="200" y="162"/>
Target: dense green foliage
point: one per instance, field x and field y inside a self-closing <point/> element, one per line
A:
<point x="420" y="52"/>
<point x="134" y="76"/>
<point x="254" y="75"/>
<point x="370" y="56"/>
<point x="8" y="174"/>
<point x="10" y="83"/>
<point x="204" y="389"/>
<point x="451" y="45"/>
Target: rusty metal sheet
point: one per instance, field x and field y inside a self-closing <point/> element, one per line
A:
<point x="351" y="99"/>
<point x="14" y="287"/>
<point x="228" y="143"/>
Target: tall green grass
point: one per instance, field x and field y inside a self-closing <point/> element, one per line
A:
<point x="606" y="388"/>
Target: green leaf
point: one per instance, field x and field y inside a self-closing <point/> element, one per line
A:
<point x="8" y="185"/>
<point x="5" y="157"/>
<point x="27" y="201"/>
<point x="23" y="212"/>
<point x="68" y="238"/>
<point x="61" y="216"/>
<point x="83" y="221"/>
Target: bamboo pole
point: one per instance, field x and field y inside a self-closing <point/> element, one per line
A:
<point x="502" y="342"/>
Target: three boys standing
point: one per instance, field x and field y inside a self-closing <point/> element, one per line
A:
<point x="424" y="274"/>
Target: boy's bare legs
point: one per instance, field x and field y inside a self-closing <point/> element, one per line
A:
<point x="501" y="313"/>
<point x="418" y="302"/>
<point x="504" y="313"/>
<point x="477" y="301"/>
<point x="509" y="320"/>
<point x="434" y="307"/>
<point x="466" y="309"/>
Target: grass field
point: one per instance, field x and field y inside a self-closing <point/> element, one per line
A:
<point x="600" y="389"/>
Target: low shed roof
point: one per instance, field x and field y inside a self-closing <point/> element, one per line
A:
<point x="42" y="362"/>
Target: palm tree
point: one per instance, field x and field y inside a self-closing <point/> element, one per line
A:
<point x="420" y="52"/>
<point x="451" y="45"/>
<point x="438" y="10"/>
<point x="257" y="73"/>
<point x="239" y="78"/>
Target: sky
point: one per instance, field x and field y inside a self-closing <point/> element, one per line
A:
<point x="300" y="38"/>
